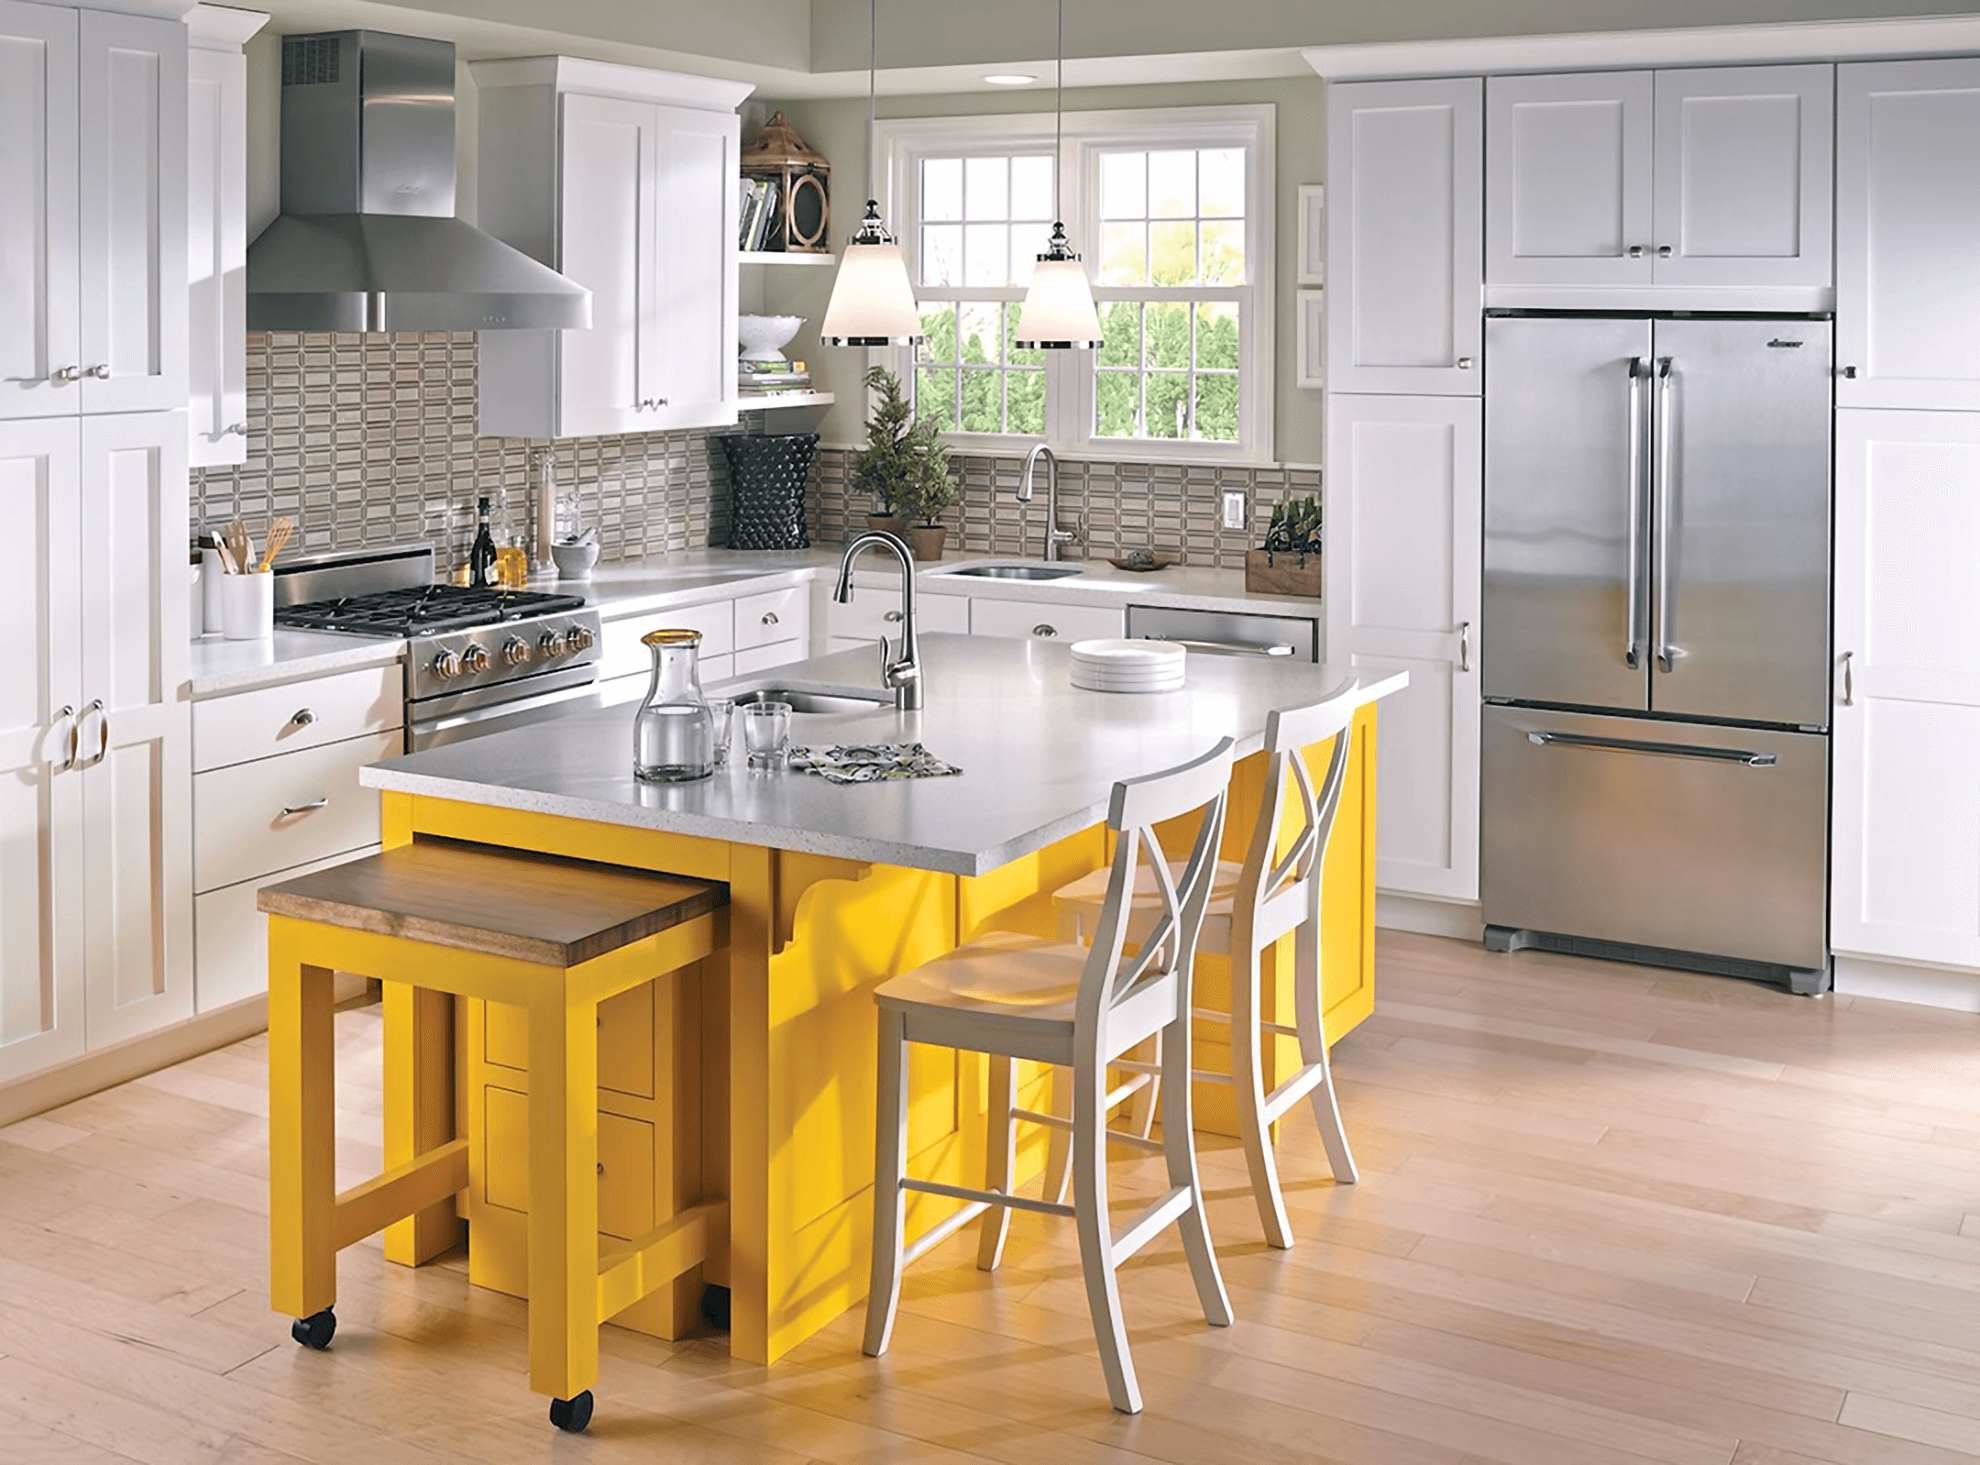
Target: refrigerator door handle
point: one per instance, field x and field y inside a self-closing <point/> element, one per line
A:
<point x="1654" y="750"/>
<point x="1666" y="655"/>
<point x="1632" y="640"/>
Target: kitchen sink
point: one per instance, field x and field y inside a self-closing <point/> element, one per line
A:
<point x="1014" y="572"/>
<point x="816" y="701"/>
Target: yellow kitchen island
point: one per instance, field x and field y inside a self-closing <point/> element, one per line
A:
<point x="736" y="1095"/>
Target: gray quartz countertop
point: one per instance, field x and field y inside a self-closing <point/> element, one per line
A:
<point x="1039" y="756"/>
<point x="220" y="666"/>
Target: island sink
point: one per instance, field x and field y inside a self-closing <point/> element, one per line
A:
<point x="801" y="701"/>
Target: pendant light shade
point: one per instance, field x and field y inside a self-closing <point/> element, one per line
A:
<point x="1059" y="314"/>
<point x="872" y="298"/>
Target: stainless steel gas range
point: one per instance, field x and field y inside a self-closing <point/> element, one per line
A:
<point x="477" y="660"/>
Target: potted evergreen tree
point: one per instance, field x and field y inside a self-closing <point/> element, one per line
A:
<point x="904" y="468"/>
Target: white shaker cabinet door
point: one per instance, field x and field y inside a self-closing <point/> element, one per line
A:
<point x="610" y="216"/>
<point x="216" y="257"/>
<point x="1404" y="501"/>
<point x="40" y="354"/>
<point x="1907" y="218"/>
<point x="132" y="204"/>
<point x="1568" y="179"/>
<point x="136" y="730"/>
<point x="696" y="336"/>
<point x="1745" y="176"/>
<point x="1405" y="164"/>
<point x="41" y="846"/>
<point x="1906" y="862"/>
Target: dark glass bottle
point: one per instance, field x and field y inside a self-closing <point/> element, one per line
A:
<point x="481" y="558"/>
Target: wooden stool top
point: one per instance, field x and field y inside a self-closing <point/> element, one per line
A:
<point x="536" y="908"/>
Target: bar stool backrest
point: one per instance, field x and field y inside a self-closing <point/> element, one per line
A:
<point x="1139" y="804"/>
<point x="1292" y="878"/>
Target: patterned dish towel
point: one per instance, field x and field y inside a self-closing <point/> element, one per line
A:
<point x="870" y="762"/>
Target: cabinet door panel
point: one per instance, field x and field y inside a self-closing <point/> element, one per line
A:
<point x="216" y="258"/>
<point x="1403" y="236"/>
<point x="38" y="225"/>
<point x="132" y="203"/>
<point x="694" y="338"/>
<point x="1906" y="865"/>
<point x="41" y="858"/>
<point x="1035" y="619"/>
<point x="608" y="210"/>
<point x="1568" y="178"/>
<point x="1404" y="503"/>
<point x="1745" y="175"/>
<point x="1907" y="213"/>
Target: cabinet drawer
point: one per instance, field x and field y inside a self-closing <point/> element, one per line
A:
<point x="773" y="616"/>
<point x="297" y="715"/>
<point x="765" y="658"/>
<point x="1048" y="622"/>
<point x="874" y="613"/>
<point x="230" y="938"/>
<point x="240" y="829"/>
<point x="625" y="1164"/>
<point x="624" y="655"/>
<point x="625" y="1041"/>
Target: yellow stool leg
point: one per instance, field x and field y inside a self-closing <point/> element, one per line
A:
<point x="563" y="1191"/>
<point x="419" y="1110"/>
<point x="302" y="1134"/>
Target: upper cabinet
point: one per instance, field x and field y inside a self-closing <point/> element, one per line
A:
<point x="625" y="181"/>
<point x="1709" y="180"/>
<point x="1405" y="163"/>
<point x="1907" y="218"/>
<point x="93" y="227"/>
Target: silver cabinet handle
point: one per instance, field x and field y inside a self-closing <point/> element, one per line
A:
<point x="769" y="618"/>
<point x="101" y="372"/>
<point x="660" y="401"/>
<point x="303" y="718"/>
<point x="1632" y="641"/>
<point x="1664" y="251"/>
<point x="1635" y="251"/>
<point x="102" y="733"/>
<point x="1850" y="372"/>
<point x="66" y="374"/>
<point x="236" y="429"/>
<point x="68" y="714"/>
<point x="1042" y="629"/>
<point x="1464" y="646"/>
<point x="1849" y="679"/>
<point x="1665" y="661"/>
<point x="1464" y="363"/>
<point x="892" y="617"/>
<point x="1654" y="750"/>
<point x="307" y="808"/>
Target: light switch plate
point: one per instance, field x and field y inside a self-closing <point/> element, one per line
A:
<point x="1234" y="508"/>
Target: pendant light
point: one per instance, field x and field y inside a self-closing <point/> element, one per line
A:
<point x="1059" y="314"/>
<point x="872" y="300"/>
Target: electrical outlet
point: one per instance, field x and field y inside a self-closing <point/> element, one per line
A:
<point x="1234" y="508"/>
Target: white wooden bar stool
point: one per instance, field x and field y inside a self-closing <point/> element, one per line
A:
<point x="1252" y="906"/>
<point x="1013" y="997"/>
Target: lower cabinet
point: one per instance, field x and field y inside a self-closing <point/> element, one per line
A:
<point x="1404" y="505"/>
<point x="1030" y="618"/>
<point x="1905" y="867"/>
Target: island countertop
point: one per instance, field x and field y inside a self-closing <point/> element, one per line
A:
<point x="1039" y="757"/>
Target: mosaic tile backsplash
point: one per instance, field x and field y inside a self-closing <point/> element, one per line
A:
<point x="370" y="440"/>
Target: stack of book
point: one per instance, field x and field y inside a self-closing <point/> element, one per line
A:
<point x="772" y="378"/>
<point x="756" y="213"/>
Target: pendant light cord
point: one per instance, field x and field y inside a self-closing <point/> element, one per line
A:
<point x="1059" y="125"/>
<point x="872" y="82"/>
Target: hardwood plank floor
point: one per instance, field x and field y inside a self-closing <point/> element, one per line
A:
<point x="1609" y="1215"/>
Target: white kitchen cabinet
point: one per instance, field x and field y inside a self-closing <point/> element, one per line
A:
<point x="1405" y="209"/>
<point x="38" y="219"/>
<point x="1045" y="622"/>
<point x="624" y="180"/>
<point x="1404" y="500"/>
<point x="1907" y="216"/>
<point x="875" y="611"/>
<point x="1906" y="841"/>
<point x="216" y="233"/>
<point x="1710" y="179"/>
<point x="622" y="653"/>
<point x="230" y="952"/>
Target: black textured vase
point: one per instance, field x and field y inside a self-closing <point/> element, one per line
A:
<point x="769" y="480"/>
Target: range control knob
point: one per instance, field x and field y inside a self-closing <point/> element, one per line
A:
<point x="446" y="666"/>
<point x="550" y="644"/>
<point x="578" y="638"/>
<point x="515" y="652"/>
<point x="474" y="659"/>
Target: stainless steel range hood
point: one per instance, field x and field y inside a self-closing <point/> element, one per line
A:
<point x="367" y="239"/>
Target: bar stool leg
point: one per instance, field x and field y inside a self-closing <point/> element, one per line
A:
<point x="1096" y="1234"/>
<point x="1002" y="1151"/>
<point x="563" y="1201"/>
<point x="1179" y="1150"/>
<point x="302" y="1139"/>
<point x="1313" y="1048"/>
<point x="1248" y="1088"/>
<point x="883" y="1294"/>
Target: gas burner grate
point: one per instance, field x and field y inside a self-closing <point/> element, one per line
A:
<point x="424" y="610"/>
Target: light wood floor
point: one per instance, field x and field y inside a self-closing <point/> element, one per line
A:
<point x="1608" y="1215"/>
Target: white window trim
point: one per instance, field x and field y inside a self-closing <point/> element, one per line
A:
<point x="901" y="143"/>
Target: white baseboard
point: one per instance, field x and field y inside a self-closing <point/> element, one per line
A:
<point x="1428" y="916"/>
<point x="1928" y="986"/>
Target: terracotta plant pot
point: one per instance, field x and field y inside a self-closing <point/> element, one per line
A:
<point x="928" y="540"/>
<point x="895" y="524"/>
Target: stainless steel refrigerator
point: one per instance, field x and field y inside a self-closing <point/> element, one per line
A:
<point x="1655" y="647"/>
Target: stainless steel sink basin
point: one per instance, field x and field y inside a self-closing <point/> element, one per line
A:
<point x="816" y="701"/>
<point x="1016" y="572"/>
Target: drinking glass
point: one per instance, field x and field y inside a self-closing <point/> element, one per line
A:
<point x="766" y="733"/>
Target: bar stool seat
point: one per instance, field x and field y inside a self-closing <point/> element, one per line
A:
<point x="553" y="936"/>
<point x="1022" y="983"/>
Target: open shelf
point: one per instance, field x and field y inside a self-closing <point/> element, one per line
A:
<point x="779" y="257"/>
<point x="769" y="400"/>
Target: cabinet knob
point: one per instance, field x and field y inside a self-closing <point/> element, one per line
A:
<point x="66" y="374"/>
<point x="1636" y="251"/>
<point x="1042" y="629"/>
<point x="893" y="616"/>
<point x="659" y="401"/>
<point x="1850" y="372"/>
<point x="101" y="373"/>
<point x="1464" y="363"/>
<point x="235" y="429"/>
<point x="769" y="618"/>
<point x="1664" y="251"/>
<point x="303" y="718"/>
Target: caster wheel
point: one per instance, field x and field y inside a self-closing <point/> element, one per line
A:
<point x="316" y="1330"/>
<point x="571" y="1415"/>
<point x="715" y="1307"/>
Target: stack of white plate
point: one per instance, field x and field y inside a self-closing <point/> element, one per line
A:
<point x="1127" y="666"/>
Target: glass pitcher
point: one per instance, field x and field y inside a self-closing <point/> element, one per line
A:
<point x="674" y="731"/>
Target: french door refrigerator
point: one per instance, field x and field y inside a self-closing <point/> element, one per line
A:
<point x="1655" y="647"/>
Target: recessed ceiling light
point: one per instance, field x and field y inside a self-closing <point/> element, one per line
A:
<point x="1010" y="78"/>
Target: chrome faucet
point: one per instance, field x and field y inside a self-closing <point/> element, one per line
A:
<point x="903" y="674"/>
<point x="1054" y="535"/>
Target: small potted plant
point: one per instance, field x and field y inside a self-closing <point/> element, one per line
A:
<point x="904" y="468"/>
<point x="1289" y="563"/>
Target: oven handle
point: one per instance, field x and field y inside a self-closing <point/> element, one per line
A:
<point x="420" y="732"/>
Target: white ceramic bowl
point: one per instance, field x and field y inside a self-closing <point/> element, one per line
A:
<point x="763" y="337"/>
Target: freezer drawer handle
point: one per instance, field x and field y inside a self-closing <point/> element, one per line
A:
<point x="1654" y="750"/>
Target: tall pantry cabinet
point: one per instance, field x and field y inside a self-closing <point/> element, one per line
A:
<point x="95" y="786"/>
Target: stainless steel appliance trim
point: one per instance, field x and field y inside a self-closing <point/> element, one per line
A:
<point x="1227" y="633"/>
<point x="499" y="693"/>
<point x="1632" y="637"/>
<point x="1665" y="660"/>
<point x="1223" y="648"/>
<point x="452" y="726"/>
<point x="328" y="576"/>
<point x="1654" y="750"/>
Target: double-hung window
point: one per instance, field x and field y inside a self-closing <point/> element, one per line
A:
<point x="1172" y="211"/>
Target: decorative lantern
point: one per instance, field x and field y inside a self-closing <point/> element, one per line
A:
<point x="803" y="219"/>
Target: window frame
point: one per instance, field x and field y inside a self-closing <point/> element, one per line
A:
<point x="1071" y="377"/>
